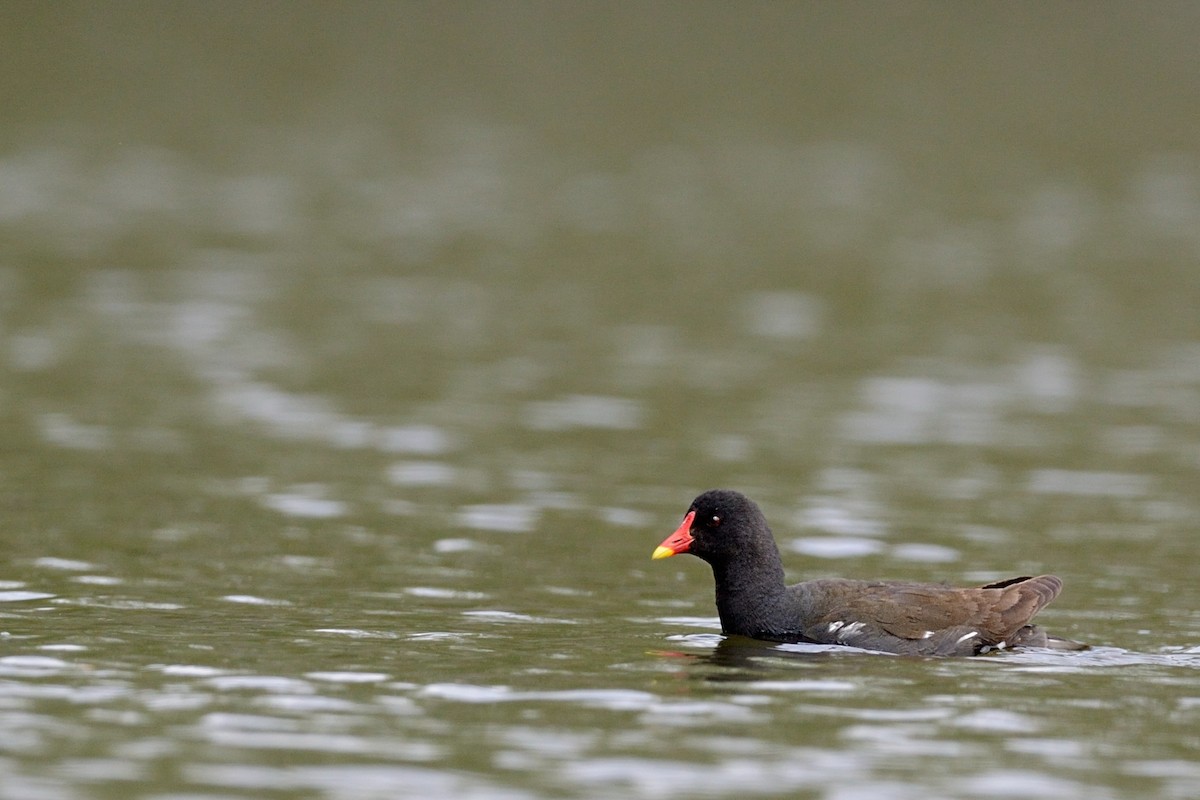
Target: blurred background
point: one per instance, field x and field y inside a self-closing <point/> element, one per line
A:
<point x="388" y="339"/>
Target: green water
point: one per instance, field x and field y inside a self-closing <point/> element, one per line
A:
<point x="352" y="364"/>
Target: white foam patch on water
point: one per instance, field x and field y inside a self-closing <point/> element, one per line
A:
<point x="700" y="713"/>
<point x="310" y="417"/>
<point x="503" y="517"/>
<point x="1055" y="749"/>
<point x="907" y="740"/>
<point x="997" y="721"/>
<point x="585" y="411"/>
<point x="1086" y="483"/>
<point x="851" y="519"/>
<point x="190" y="671"/>
<point x="422" y="473"/>
<point x="629" y="776"/>
<point x="347" y="677"/>
<point x="468" y="693"/>
<point x="925" y="553"/>
<point x="783" y="315"/>
<point x="252" y="600"/>
<point x="98" y="580"/>
<point x="835" y="546"/>
<point x="917" y="410"/>
<point x="612" y="699"/>
<point x="33" y="351"/>
<point x="63" y="431"/>
<point x="261" y="683"/>
<point x="804" y="685"/>
<point x="22" y="595"/>
<point x="1011" y="783"/>
<point x="309" y="704"/>
<point x="509" y="616"/>
<point x="439" y="593"/>
<point x="124" y="604"/>
<point x="729" y="447"/>
<point x="355" y="780"/>
<point x="305" y="505"/>
<point x="898" y="411"/>
<point x="1050" y="379"/>
<point x="425" y="440"/>
<point x="625" y="517"/>
<point x="440" y="636"/>
<point x="914" y="714"/>
<point x="27" y="666"/>
<point x="282" y="413"/>
<point x="1165" y="768"/>
<point x="356" y="633"/>
<point x="67" y="564"/>
<point x="323" y="742"/>
<point x="456" y="546"/>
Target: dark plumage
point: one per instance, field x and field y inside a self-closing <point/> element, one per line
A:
<point x="727" y="529"/>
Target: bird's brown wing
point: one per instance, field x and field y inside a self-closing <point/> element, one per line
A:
<point x="919" y="611"/>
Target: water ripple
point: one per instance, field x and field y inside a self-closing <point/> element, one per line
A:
<point x="585" y="411"/>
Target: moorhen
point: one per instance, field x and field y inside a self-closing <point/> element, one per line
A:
<point x="727" y="529"/>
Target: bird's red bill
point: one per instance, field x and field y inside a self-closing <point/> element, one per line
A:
<point x="679" y="541"/>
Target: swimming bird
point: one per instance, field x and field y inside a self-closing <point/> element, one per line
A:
<point x="728" y="530"/>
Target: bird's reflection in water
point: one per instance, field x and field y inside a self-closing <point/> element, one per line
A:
<point x="739" y="658"/>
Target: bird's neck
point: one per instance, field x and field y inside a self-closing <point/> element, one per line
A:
<point x="752" y="599"/>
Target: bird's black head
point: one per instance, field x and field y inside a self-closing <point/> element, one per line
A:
<point x="720" y="525"/>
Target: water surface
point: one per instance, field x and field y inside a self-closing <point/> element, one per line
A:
<point x="344" y="398"/>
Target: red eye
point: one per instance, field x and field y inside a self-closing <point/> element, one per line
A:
<point x="715" y="521"/>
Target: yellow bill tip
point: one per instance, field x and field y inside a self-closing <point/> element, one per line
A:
<point x="662" y="552"/>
